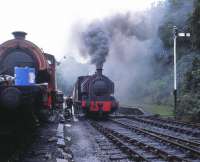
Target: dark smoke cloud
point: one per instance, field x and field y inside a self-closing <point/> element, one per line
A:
<point x="127" y="43"/>
<point x="95" y="44"/>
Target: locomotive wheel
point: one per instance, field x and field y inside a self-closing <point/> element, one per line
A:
<point x="11" y="98"/>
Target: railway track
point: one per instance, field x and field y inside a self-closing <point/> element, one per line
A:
<point x="193" y="147"/>
<point x="173" y="126"/>
<point x="176" y="122"/>
<point x="128" y="110"/>
<point x="109" y="152"/>
<point x="144" y="145"/>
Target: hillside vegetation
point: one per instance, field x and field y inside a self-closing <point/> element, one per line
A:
<point x="188" y="63"/>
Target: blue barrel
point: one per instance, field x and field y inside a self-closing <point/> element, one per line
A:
<point x="24" y="76"/>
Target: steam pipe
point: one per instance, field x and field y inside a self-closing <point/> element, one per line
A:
<point x="99" y="69"/>
<point x="19" y="34"/>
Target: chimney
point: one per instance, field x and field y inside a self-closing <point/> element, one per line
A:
<point x="99" y="69"/>
<point x="19" y="35"/>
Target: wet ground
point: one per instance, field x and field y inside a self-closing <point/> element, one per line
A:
<point x="89" y="145"/>
<point x="83" y="144"/>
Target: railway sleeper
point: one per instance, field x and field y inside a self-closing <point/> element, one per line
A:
<point x="192" y="144"/>
<point x="167" y="126"/>
<point x="124" y="148"/>
<point x="160" y="152"/>
<point x="191" y="151"/>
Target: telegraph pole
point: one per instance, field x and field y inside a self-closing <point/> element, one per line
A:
<point x="175" y="31"/>
<point x="176" y="35"/>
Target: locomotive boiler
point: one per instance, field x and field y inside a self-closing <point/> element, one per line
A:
<point x="25" y="102"/>
<point x="94" y="94"/>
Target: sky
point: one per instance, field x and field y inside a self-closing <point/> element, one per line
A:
<point x="49" y="23"/>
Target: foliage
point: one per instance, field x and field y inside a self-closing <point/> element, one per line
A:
<point x="189" y="102"/>
<point x="175" y="8"/>
<point x="195" y="25"/>
<point x="188" y="66"/>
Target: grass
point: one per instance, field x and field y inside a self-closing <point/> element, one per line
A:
<point x="163" y="110"/>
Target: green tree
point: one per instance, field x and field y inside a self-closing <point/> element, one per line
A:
<point x="195" y="25"/>
<point x="189" y="103"/>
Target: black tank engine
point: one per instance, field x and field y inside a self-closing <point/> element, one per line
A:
<point x="94" y="94"/>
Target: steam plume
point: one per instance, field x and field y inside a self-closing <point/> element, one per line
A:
<point x="95" y="43"/>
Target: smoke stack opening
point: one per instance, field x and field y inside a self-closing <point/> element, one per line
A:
<point x="19" y="34"/>
<point x="99" y="69"/>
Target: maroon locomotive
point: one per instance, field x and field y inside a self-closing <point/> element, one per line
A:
<point x="94" y="94"/>
<point x="18" y="100"/>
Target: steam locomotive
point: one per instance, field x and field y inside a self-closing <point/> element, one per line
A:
<point x="25" y="102"/>
<point x="94" y="94"/>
